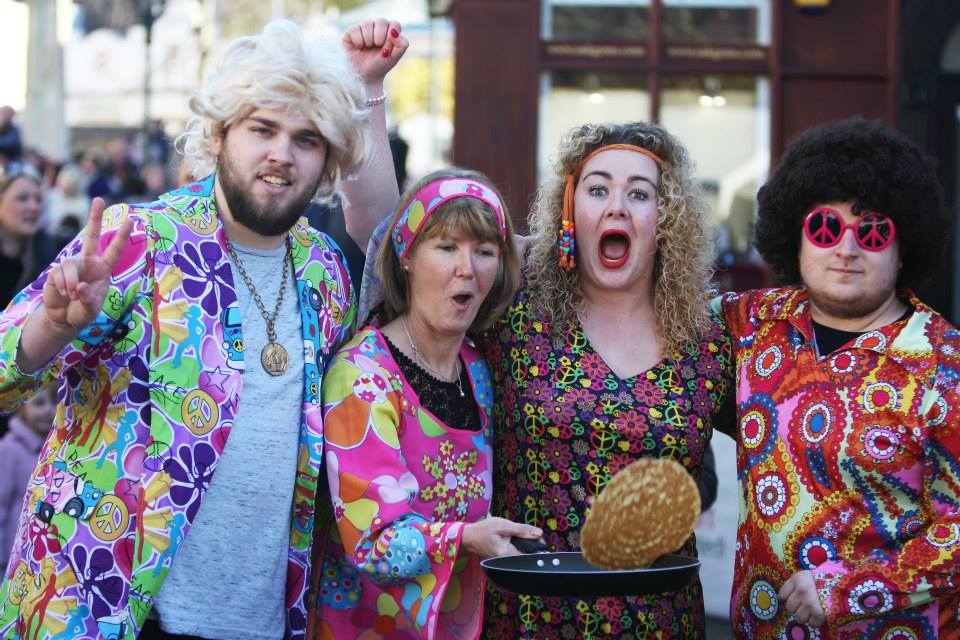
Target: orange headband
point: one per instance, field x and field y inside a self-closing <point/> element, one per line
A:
<point x="566" y="220"/>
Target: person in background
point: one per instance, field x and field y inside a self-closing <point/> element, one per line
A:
<point x="25" y="249"/>
<point x="96" y="181"/>
<point x="848" y="434"/>
<point x="156" y="144"/>
<point x="328" y="218"/>
<point x="122" y="172"/>
<point x="40" y="164"/>
<point x="398" y="150"/>
<point x="708" y="482"/>
<point x="154" y="180"/>
<point x="67" y="205"/>
<point x="11" y="146"/>
<point x="19" y="449"/>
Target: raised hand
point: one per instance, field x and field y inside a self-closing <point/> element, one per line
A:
<point x="491" y="537"/>
<point x="374" y="48"/>
<point x="76" y="287"/>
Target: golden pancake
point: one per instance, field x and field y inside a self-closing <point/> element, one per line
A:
<point x="646" y="510"/>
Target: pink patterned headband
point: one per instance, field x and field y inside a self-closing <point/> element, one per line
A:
<point x="426" y="201"/>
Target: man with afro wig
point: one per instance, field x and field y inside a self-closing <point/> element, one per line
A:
<point x="848" y="414"/>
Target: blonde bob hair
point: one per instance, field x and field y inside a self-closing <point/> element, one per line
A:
<point x="470" y="216"/>
<point x="279" y="69"/>
<point x="683" y="265"/>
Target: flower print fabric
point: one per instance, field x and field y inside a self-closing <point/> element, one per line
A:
<point x="403" y="485"/>
<point x="147" y="396"/>
<point x="849" y="463"/>
<point x="564" y="425"/>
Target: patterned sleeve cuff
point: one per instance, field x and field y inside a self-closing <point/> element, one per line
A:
<point x="18" y="372"/>
<point x="15" y="373"/>
<point x="827" y="577"/>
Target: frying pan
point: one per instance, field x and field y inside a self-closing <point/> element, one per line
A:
<point x="567" y="573"/>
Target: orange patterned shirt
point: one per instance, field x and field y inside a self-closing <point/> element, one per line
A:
<point x="849" y="466"/>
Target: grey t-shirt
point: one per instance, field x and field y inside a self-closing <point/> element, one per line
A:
<point x="228" y="579"/>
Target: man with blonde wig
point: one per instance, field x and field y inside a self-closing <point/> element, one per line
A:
<point x="188" y="339"/>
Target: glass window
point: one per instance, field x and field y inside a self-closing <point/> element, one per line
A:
<point x="724" y="121"/>
<point x="569" y="98"/>
<point x="717" y="21"/>
<point x="596" y="20"/>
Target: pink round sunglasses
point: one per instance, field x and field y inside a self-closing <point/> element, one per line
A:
<point x="824" y="227"/>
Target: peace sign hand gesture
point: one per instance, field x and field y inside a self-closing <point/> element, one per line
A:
<point x="76" y="287"/>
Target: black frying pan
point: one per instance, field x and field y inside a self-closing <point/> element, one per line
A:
<point x="567" y="573"/>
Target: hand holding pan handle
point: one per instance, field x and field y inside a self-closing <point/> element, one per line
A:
<point x="525" y="545"/>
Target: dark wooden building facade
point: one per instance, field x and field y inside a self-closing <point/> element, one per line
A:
<point x="793" y="64"/>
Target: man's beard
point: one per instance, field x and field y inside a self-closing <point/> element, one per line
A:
<point x="269" y="219"/>
<point x="861" y="307"/>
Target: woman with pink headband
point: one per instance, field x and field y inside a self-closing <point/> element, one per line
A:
<point x="607" y="353"/>
<point x="408" y="426"/>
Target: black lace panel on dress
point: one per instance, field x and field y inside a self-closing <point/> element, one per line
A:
<point x="440" y="398"/>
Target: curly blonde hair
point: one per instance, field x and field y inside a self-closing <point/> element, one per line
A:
<point x="685" y="249"/>
<point x="279" y="69"/>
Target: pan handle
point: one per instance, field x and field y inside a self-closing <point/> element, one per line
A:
<point x="526" y="545"/>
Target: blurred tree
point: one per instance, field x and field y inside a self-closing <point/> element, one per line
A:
<point x="343" y="5"/>
<point x="238" y="17"/>
<point x="409" y="88"/>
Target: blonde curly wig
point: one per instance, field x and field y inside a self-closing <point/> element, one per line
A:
<point x="685" y="249"/>
<point x="279" y="69"/>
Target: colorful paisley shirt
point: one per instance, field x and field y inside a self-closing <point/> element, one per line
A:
<point x="849" y="466"/>
<point x="147" y="397"/>
<point x="564" y="425"/>
<point x="403" y="486"/>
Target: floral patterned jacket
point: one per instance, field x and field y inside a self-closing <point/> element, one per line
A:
<point x="403" y="484"/>
<point x="147" y="398"/>
<point x="849" y="467"/>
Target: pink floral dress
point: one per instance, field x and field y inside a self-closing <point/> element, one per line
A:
<point x="403" y="485"/>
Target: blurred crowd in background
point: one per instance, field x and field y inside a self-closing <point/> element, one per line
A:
<point x="132" y="168"/>
<point x="45" y="203"/>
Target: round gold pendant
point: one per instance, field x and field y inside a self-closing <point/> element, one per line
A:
<point x="274" y="359"/>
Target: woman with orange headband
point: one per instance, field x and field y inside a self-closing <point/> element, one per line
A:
<point x="608" y="353"/>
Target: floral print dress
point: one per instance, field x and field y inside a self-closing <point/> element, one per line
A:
<point x="564" y="425"/>
<point x="403" y="485"/>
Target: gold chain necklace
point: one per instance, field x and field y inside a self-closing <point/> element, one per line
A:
<point x="274" y="357"/>
<point x="423" y="363"/>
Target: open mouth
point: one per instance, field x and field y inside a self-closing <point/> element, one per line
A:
<point x="614" y="248"/>
<point x="277" y="181"/>
<point x="463" y="299"/>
